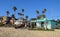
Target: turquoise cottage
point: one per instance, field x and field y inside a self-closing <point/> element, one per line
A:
<point x="42" y="22"/>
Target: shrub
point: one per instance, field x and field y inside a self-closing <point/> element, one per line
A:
<point x="41" y="29"/>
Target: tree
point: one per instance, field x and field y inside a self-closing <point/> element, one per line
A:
<point x="37" y="12"/>
<point x="58" y="21"/>
<point x="44" y="10"/>
<point x="14" y="8"/>
<point x="26" y="24"/>
<point x="13" y="16"/>
<point x="22" y="10"/>
<point x="20" y="14"/>
<point x="27" y="17"/>
<point x="7" y="12"/>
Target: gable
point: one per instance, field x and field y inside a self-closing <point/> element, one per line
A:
<point x="42" y="19"/>
<point x="33" y="21"/>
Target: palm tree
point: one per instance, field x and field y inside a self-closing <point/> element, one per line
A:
<point x="22" y="10"/>
<point x="26" y="24"/>
<point x="26" y="17"/>
<point x="14" y="8"/>
<point x="7" y="12"/>
<point x="19" y="14"/>
<point x="22" y="14"/>
<point x="37" y="12"/>
<point x="43" y="11"/>
<point x="13" y="16"/>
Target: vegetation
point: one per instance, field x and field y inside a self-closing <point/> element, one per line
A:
<point x="44" y="10"/>
<point x="41" y="29"/>
<point x="37" y="12"/>
<point x="14" y="9"/>
<point x="13" y="16"/>
<point x="1" y="24"/>
<point x="26" y="17"/>
<point x="58" y="20"/>
<point x="7" y="12"/>
<point x="22" y="10"/>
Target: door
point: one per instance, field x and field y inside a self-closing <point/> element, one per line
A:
<point x="42" y="24"/>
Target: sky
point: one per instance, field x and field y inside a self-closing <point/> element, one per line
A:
<point x="30" y="7"/>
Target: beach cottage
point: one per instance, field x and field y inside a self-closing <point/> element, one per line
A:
<point x="43" y="23"/>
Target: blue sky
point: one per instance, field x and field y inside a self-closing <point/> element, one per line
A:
<point x="30" y="6"/>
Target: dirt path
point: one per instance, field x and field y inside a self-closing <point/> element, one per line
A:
<point x="11" y="32"/>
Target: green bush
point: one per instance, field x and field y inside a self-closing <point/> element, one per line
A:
<point x="1" y="24"/>
<point x="41" y="29"/>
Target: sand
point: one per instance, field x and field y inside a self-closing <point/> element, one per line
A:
<point x="12" y="32"/>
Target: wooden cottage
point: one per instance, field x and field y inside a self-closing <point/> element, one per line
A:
<point x="43" y="23"/>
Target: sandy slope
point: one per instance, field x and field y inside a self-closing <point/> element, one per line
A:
<point x="11" y="32"/>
